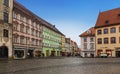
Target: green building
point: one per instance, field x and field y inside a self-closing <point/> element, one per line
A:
<point x="52" y="41"/>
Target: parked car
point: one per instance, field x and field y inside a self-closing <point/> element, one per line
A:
<point x="103" y="55"/>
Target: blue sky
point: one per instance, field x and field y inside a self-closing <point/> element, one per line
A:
<point x="71" y="17"/>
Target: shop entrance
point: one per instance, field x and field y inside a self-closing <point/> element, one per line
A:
<point x="19" y="53"/>
<point x="30" y="53"/>
<point x="52" y="53"/>
<point x="3" y="52"/>
<point x="117" y="53"/>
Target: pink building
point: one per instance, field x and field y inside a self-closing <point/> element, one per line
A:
<point x="27" y="33"/>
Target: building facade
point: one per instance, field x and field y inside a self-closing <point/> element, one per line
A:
<point x="52" y="40"/>
<point x="63" y="46"/>
<point x="6" y="7"/>
<point x="88" y="43"/>
<point x="107" y="32"/>
<point x="27" y="33"/>
<point x="68" y="46"/>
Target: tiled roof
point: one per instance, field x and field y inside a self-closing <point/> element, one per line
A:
<point x="89" y="32"/>
<point x="107" y="18"/>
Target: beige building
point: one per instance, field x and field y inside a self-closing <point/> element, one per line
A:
<point x="63" y="46"/>
<point x="107" y="33"/>
<point x="6" y="7"/>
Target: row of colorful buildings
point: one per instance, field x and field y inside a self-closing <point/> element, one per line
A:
<point x="104" y="37"/>
<point x="23" y="34"/>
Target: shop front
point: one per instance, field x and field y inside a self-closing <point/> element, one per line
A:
<point x="30" y="53"/>
<point x="118" y="52"/>
<point x="38" y="52"/>
<point x="19" y="52"/>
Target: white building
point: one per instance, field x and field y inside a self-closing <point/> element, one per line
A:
<point x="88" y="43"/>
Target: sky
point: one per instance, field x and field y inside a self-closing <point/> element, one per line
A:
<point x="71" y="17"/>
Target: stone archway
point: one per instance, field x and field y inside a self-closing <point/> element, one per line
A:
<point x="3" y="52"/>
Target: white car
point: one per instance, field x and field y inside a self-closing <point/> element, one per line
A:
<point x="103" y="55"/>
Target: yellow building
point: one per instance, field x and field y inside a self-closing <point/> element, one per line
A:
<point x="107" y="33"/>
<point x="6" y="7"/>
<point x="63" y="46"/>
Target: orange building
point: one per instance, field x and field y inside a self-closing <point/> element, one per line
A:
<point x="107" y="33"/>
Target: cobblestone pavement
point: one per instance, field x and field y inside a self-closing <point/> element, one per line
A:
<point x="61" y="65"/>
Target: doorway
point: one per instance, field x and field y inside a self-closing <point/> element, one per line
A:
<point x="117" y="53"/>
<point x="3" y="52"/>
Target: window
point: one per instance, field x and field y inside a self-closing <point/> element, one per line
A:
<point x="27" y="20"/>
<point x="32" y="32"/>
<point x="99" y="32"/>
<point x="99" y="41"/>
<point x="36" y="33"/>
<point x="113" y="30"/>
<point x="27" y="30"/>
<point x="32" y="41"/>
<point x="15" y="26"/>
<point x="105" y="40"/>
<point x="21" y="28"/>
<point x="91" y="46"/>
<point x="106" y="21"/>
<point x="113" y="40"/>
<point x="28" y="40"/>
<point x="119" y="29"/>
<point x="91" y="39"/>
<point x="85" y="46"/>
<point x="36" y="42"/>
<point x="119" y="15"/>
<point x="105" y="31"/>
<point x="6" y="2"/>
<point x="15" y="15"/>
<point x="21" y="39"/>
<point x="5" y="34"/>
<point x="85" y="39"/>
<point x="22" y="18"/>
<point x="5" y="17"/>
<point x="15" y="38"/>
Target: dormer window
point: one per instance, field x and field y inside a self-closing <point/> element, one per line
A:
<point x="106" y="21"/>
<point x="119" y="15"/>
<point x="88" y="32"/>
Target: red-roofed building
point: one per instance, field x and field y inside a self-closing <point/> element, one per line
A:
<point x="107" y="33"/>
<point x="88" y="43"/>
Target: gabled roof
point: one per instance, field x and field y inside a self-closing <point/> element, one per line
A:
<point x="89" y="32"/>
<point x="108" y="18"/>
